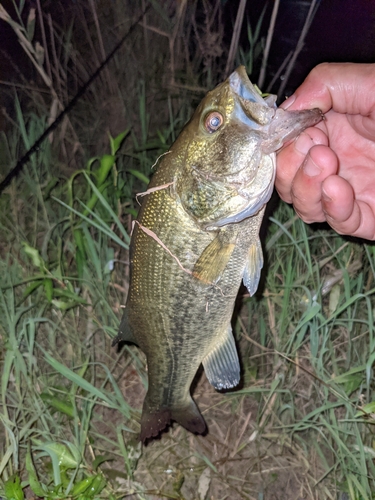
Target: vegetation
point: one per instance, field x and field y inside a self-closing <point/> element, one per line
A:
<point x="301" y="423"/>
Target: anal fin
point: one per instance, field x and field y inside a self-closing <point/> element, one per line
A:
<point x="213" y="260"/>
<point x="221" y="365"/>
<point x="124" y="333"/>
<point x="253" y="267"/>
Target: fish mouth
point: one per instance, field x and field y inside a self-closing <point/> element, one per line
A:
<point x="276" y="124"/>
<point x="254" y="110"/>
<point x="242" y="86"/>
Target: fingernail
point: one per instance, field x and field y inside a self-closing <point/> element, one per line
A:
<point x="311" y="168"/>
<point x="303" y="143"/>
<point x="325" y="196"/>
<point x="286" y="104"/>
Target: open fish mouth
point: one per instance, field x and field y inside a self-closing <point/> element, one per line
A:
<point x="254" y="110"/>
<point x="242" y="86"/>
<point x="276" y="124"/>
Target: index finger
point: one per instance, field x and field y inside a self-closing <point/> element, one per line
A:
<point x="343" y="87"/>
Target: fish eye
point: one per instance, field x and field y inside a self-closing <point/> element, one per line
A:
<point x="213" y="121"/>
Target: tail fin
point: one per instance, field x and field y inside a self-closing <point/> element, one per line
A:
<point x="153" y="422"/>
<point x="190" y="418"/>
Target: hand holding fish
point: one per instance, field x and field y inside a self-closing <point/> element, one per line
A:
<point x="328" y="172"/>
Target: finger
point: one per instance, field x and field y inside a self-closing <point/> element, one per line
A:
<point x="344" y="213"/>
<point x="320" y="163"/>
<point x="291" y="158"/>
<point x="343" y="87"/>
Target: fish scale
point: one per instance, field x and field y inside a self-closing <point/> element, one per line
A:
<point x="195" y="238"/>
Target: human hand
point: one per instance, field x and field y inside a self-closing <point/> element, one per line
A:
<point x="328" y="172"/>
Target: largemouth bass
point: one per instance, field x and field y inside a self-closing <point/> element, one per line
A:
<point x="196" y="237"/>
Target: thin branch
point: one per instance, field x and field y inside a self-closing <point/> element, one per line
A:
<point x="279" y="71"/>
<point x="235" y="37"/>
<point x="152" y="235"/>
<point x="271" y="30"/>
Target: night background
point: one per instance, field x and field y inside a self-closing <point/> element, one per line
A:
<point x="300" y="424"/>
<point x="341" y="31"/>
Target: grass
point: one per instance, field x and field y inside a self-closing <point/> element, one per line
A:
<point x="301" y="423"/>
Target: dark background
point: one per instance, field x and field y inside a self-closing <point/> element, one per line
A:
<point x="342" y="30"/>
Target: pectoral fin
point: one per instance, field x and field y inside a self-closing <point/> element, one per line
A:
<point x="253" y="267"/>
<point x="214" y="259"/>
<point x="124" y="333"/>
<point x="221" y="365"/>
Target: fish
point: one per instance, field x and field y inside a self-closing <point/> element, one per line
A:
<point x="195" y="239"/>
